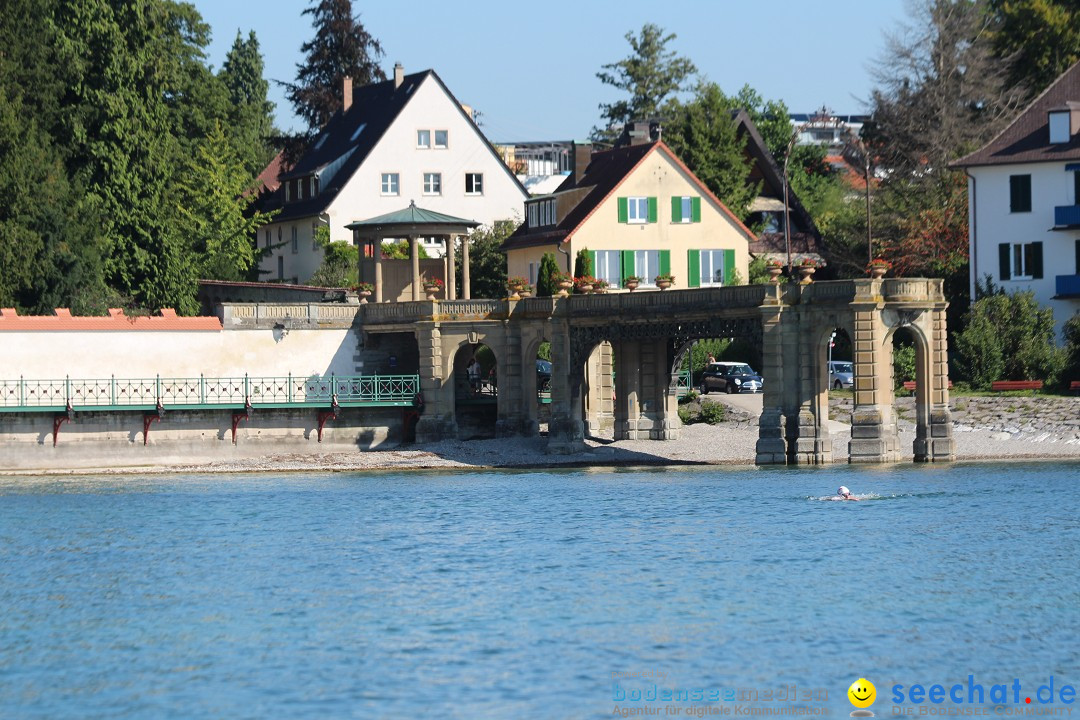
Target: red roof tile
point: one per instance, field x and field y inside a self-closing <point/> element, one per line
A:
<point x="63" y="320"/>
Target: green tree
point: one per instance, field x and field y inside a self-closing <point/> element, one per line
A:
<point x="583" y="263"/>
<point x="1071" y="363"/>
<point x="703" y="134"/>
<point x="545" y="286"/>
<point x="341" y="48"/>
<point x="487" y="261"/>
<point x="650" y="75"/>
<point x="341" y="262"/>
<point x="251" y="115"/>
<point x="1037" y="39"/>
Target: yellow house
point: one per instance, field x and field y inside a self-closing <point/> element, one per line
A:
<point x="639" y="211"/>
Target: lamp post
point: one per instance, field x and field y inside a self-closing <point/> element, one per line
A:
<point x="787" y="202"/>
<point x="857" y="142"/>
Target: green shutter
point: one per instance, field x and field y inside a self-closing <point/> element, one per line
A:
<point x="1036" y="269"/>
<point x="652" y="209"/>
<point x="1004" y="251"/>
<point x="695" y="209"/>
<point x="729" y="267"/>
<point x="624" y="213"/>
<point x="665" y="262"/>
<point x="676" y="209"/>
<point x="693" y="268"/>
<point x="627" y="263"/>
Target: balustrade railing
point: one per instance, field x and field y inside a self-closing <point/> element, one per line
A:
<point x="207" y="392"/>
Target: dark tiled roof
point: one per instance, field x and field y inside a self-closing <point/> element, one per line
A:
<point x="352" y="135"/>
<point x="1027" y="138"/>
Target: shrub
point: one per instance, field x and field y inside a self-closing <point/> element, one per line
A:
<point x="903" y="363"/>
<point x="545" y="285"/>
<point x="712" y="412"/>
<point x="686" y="415"/>
<point x="1071" y="364"/>
<point x="583" y="263"/>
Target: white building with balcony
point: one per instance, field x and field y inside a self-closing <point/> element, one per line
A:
<point x="1024" y="201"/>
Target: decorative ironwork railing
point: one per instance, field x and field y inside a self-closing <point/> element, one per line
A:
<point x="208" y="392"/>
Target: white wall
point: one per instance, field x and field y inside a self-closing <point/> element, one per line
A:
<point x="229" y="353"/>
<point x="993" y="223"/>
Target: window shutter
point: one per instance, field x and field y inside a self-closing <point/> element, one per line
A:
<point x="695" y="209"/>
<point x="693" y="268"/>
<point x="676" y="209"/>
<point x="1077" y="256"/>
<point x="665" y="262"/>
<point x="1036" y="269"/>
<point x="627" y="263"/>
<point x="652" y="209"/>
<point x="729" y="267"/>
<point x="624" y="214"/>
<point x="1004" y="260"/>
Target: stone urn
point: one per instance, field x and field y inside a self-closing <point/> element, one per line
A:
<point x="878" y="271"/>
<point x="774" y="273"/>
<point x="632" y="285"/>
<point x="525" y="292"/>
<point x="364" y="295"/>
<point x="663" y="284"/>
<point x="352" y="298"/>
<point x="584" y="288"/>
<point x="432" y="292"/>
<point x="806" y="274"/>
<point x="515" y="292"/>
<point x="564" y="288"/>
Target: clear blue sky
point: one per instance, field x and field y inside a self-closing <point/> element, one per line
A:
<point x="530" y="68"/>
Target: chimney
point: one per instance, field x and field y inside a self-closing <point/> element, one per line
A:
<point x="399" y="75"/>
<point x="346" y="94"/>
<point x="582" y="156"/>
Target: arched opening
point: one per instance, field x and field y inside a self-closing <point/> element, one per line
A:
<point x="909" y="369"/>
<point x="536" y="383"/>
<point x="476" y="391"/>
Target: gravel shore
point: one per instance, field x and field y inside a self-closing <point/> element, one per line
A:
<point x="728" y="443"/>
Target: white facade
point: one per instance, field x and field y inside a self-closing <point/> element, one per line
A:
<point x="456" y="173"/>
<point x="999" y="217"/>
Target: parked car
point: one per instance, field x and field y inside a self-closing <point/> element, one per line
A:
<point x="543" y="376"/>
<point x="731" y="377"/>
<point x="841" y="374"/>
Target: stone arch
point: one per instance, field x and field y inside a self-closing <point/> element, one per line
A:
<point x="475" y="408"/>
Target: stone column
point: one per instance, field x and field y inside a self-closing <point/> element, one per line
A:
<point x="437" y="421"/>
<point x="513" y="418"/>
<point x="414" y="254"/>
<point x="451" y="275"/>
<point x="662" y="409"/>
<point x="566" y="431"/>
<point x="627" y="390"/>
<point x="807" y="416"/>
<point x="933" y="432"/>
<point x="465" y="294"/>
<point x="771" y="444"/>
<point x="378" y="270"/>
<point x="873" y="424"/>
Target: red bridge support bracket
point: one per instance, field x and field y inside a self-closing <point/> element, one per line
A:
<point x="148" y="419"/>
<point x="59" y="420"/>
<point x="240" y="417"/>
<point x="325" y="415"/>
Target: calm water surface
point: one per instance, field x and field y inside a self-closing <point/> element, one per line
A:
<point x="520" y="594"/>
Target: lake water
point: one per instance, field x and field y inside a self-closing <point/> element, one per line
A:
<point x="531" y="594"/>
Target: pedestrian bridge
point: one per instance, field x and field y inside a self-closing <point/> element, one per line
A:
<point x="644" y="337"/>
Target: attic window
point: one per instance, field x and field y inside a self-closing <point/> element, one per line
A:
<point x="356" y="133"/>
<point x="321" y="141"/>
<point x="1060" y="130"/>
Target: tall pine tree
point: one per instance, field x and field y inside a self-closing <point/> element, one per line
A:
<point x="251" y="115"/>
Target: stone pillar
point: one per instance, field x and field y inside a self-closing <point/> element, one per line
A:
<point x="933" y="432"/>
<point x="807" y="416"/>
<point x="437" y="420"/>
<point x="662" y="409"/>
<point x="873" y="424"/>
<point x="378" y="270"/>
<point x="465" y="293"/>
<point x="566" y="431"/>
<point x="628" y="390"/>
<point x="513" y="417"/>
<point x="414" y="254"/>
<point x="771" y="444"/>
<point x="600" y="415"/>
<point x="451" y="275"/>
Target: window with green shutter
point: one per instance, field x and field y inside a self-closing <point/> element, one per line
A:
<point x="628" y="263"/>
<point x="652" y="210"/>
<point x="623" y="211"/>
<point x="676" y="210"/>
<point x="729" y="267"/>
<point x="693" y="268"/>
<point x="640" y="209"/>
<point x="665" y="262"/>
<point x="695" y="209"/>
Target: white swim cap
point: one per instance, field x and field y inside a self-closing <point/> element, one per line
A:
<point x="843" y="491"/>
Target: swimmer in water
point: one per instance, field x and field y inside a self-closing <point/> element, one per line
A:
<point x="845" y="494"/>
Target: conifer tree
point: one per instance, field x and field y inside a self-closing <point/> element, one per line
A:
<point x="251" y="115"/>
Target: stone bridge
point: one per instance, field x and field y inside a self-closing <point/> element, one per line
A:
<point x="648" y="334"/>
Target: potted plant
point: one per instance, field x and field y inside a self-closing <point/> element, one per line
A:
<point x="527" y="291"/>
<point x="807" y="268"/>
<point x="515" y="285"/>
<point x="600" y="285"/>
<point x="878" y="267"/>
<point x="364" y="291"/>
<point x="564" y="281"/>
<point x="433" y="286"/>
<point x="584" y="284"/>
<point x="774" y="268"/>
<point x="664" y="280"/>
<point x="631" y="282"/>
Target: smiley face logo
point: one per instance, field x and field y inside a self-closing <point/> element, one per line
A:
<point x="862" y="693"/>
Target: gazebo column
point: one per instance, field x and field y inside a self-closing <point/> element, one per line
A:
<point x="451" y="256"/>
<point x="414" y="253"/>
<point x="465" y="294"/>
<point x="377" y="253"/>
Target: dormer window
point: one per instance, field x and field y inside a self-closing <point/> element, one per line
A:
<point x="313" y="187"/>
<point x="1060" y="126"/>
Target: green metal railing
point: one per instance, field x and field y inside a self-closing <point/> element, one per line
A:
<point x="203" y="392"/>
<point x="684" y="384"/>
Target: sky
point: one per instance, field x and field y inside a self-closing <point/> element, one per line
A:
<point x="530" y="67"/>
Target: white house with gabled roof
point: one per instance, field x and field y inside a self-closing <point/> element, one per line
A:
<point x="401" y="140"/>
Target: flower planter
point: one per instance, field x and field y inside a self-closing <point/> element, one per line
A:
<point x="364" y="295"/>
<point x="878" y="271"/>
<point x="774" y="273"/>
<point x="632" y="286"/>
<point x="584" y="289"/>
<point x="663" y="284"/>
<point x="564" y="288"/>
<point x="806" y="274"/>
<point x="432" y="293"/>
